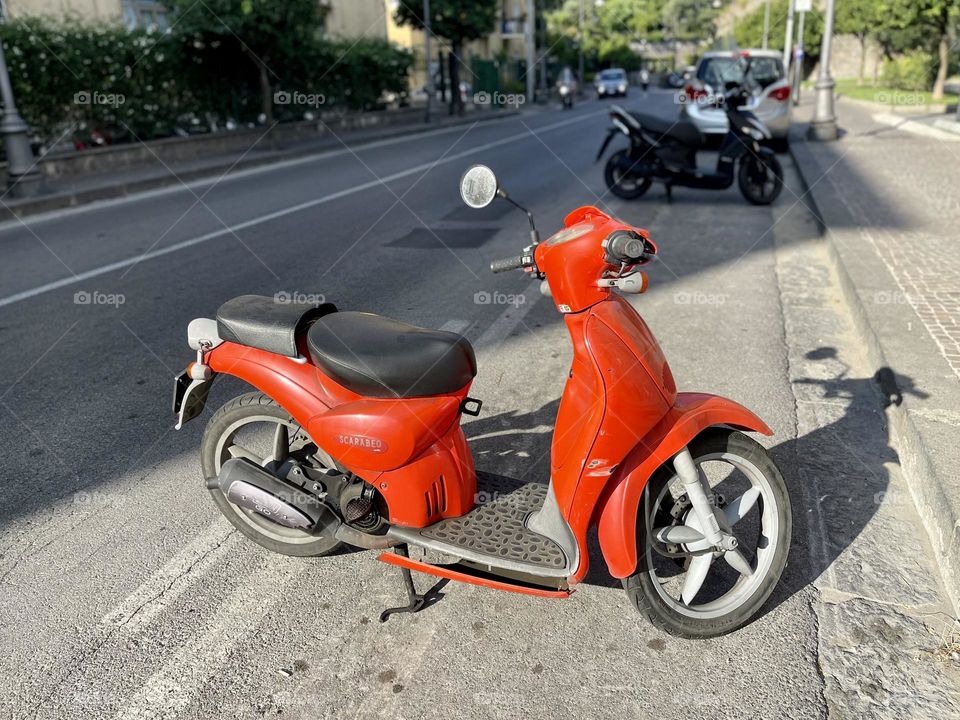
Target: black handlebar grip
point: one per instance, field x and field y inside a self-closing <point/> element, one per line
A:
<point x="514" y="263"/>
<point x="625" y="246"/>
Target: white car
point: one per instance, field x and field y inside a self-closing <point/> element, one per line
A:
<point x="765" y="78"/>
<point x="611" y="83"/>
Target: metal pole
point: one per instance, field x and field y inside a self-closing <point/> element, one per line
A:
<point x="531" y="53"/>
<point x="788" y="41"/>
<point x="22" y="174"/>
<point x="766" y="25"/>
<point x="426" y="56"/>
<point x="824" y="124"/>
<point x="580" y="80"/>
<point x="543" y="60"/>
<point x="798" y="61"/>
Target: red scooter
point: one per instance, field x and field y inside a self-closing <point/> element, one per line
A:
<point x="353" y="437"/>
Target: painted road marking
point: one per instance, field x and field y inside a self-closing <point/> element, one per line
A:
<point x="176" y="247"/>
<point x="170" y="581"/>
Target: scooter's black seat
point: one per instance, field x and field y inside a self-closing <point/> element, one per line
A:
<point x="266" y="323"/>
<point x="680" y="129"/>
<point x="378" y="357"/>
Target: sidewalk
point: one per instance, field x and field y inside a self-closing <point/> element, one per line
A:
<point x="69" y="191"/>
<point x="889" y="204"/>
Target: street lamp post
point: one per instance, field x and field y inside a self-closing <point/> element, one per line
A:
<point x="23" y="177"/>
<point x="766" y="25"/>
<point x="798" y="60"/>
<point x="531" y="53"/>
<point x="580" y="82"/>
<point x="426" y="56"/>
<point x="788" y="41"/>
<point x="824" y="124"/>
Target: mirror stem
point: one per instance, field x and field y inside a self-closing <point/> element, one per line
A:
<point x="534" y="235"/>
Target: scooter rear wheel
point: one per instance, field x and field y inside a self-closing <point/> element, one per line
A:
<point x="703" y="595"/>
<point x="622" y="184"/>
<point x="247" y="427"/>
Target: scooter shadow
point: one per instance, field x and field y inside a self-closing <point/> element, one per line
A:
<point x="837" y="474"/>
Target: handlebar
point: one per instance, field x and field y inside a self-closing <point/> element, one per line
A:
<point x="624" y="246"/>
<point x="511" y="263"/>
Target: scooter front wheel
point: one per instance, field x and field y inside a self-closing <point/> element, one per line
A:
<point x="687" y="588"/>
<point x="760" y="179"/>
<point x="621" y="183"/>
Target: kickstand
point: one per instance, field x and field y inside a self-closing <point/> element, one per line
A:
<point x="417" y="600"/>
<point x="669" y="189"/>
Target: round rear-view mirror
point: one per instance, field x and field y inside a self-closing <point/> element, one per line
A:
<point x="478" y="186"/>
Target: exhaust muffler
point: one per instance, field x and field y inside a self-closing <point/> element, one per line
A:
<point x="252" y="487"/>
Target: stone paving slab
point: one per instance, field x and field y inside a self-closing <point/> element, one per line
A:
<point x="888" y="202"/>
<point x="884" y="618"/>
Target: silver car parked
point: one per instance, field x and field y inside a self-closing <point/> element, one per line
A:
<point x="765" y="78"/>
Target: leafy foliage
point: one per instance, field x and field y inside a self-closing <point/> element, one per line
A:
<point x="65" y="76"/>
<point x="453" y="20"/>
<point x="912" y="71"/>
<point x="749" y="32"/>
<point x="73" y="79"/>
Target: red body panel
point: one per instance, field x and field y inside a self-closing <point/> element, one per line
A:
<point x="412" y="450"/>
<point x="620" y="417"/>
<point x="691" y="414"/>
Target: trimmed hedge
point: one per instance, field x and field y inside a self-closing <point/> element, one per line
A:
<point x="73" y="81"/>
<point x="912" y="71"/>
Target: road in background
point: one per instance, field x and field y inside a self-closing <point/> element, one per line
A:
<point x="125" y="594"/>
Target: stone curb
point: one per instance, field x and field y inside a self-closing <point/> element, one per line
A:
<point x="20" y="208"/>
<point x="940" y="516"/>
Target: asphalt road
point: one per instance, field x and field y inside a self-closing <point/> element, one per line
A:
<point x="124" y="594"/>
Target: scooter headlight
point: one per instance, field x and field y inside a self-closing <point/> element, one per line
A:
<point x="564" y="90"/>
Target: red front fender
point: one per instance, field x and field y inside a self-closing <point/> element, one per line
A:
<point x="691" y="414"/>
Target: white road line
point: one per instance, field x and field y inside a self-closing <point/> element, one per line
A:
<point x="170" y="581"/>
<point x="494" y="335"/>
<point x="176" y="247"/>
<point x="218" y="178"/>
<point x="176" y="684"/>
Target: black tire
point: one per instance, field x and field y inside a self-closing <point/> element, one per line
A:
<point x="752" y="168"/>
<point x="780" y="145"/>
<point x="615" y="181"/>
<point x="641" y="587"/>
<point x="285" y="541"/>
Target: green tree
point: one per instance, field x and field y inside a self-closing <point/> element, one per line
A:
<point x="860" y="19"/>
<point x="909" y="25"/>
<point x="456" y="21"/>
<point x="749" y="32"/>
<point x="265" y="35"/>
<point x="609" y="29"/>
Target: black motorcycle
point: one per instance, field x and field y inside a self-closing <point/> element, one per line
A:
<point x="666" y="151"/>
